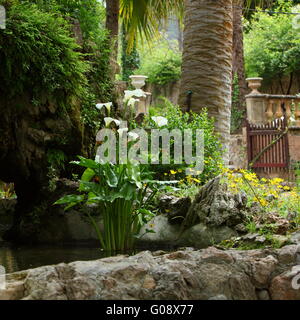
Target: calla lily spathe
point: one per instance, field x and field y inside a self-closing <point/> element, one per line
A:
<point x="160" y="121"/>
<point x="110" y="120"/>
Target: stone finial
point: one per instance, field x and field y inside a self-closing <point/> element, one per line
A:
<point x="254" y="84"/>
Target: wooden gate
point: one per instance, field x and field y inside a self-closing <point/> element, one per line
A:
<point x="268" y="149"/>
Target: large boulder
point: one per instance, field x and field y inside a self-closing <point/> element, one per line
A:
<point x="216" y="206"/>
<point x="215" y="215"/>
<point x="209" y="274"/>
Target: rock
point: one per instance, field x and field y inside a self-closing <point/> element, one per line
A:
<point x="288" y="254"/>
<point x="263" y="295"/>
<point x="203" y="236"/>
<point x="164" y="233"/>
<point x="298" y="254"/>
<point x="240" y="228"/>
<point x="295" y="237"/>
<point x="280" y="240"/>
<point x="216" y="206"/>
<point x="279" y="224"/>
<point x="286" y="285"/>
<point x="208" y="274"/>
<point x="260" y="239"/>
<point x="7" y="210"/>
<point x="218" y="297"/>
<point x="250" y="236"/>
<point x="262" y="270"/>
<point x="176" y="208"/>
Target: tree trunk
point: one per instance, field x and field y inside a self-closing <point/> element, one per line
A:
<point x="112" y="25"/>
<point x="207" y="62"/>
<point x="238" y="66"/>
<point x="112" y="17"/>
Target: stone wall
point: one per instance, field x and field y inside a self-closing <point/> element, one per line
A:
<point x="238" y="151"/>
<point x="294" y="144"/>
<point x="209" y="274"/>
<point x="169" y="90"/>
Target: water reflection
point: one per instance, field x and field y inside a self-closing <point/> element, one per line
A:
<point x="22" y="258"/>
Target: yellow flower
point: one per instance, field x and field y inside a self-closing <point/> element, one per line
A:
<point x="263" y="202"/>
<point x="286" y="188"/>
<point x="173" y="172"/>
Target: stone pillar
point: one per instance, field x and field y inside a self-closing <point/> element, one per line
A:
<point x="138" y="82"/>
<point x="256" y="102"/>
<point x="294" y="143"/>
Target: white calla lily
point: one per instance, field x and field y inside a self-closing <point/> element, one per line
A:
<point x="122" y="130"/>
<point x="109" y="120"/>
<point x="138" y="93"/>
<point x="160" y="121"/>
<point x="133" y="136"/>
<point x="107" y="105"/>
<point x="131" y="102"/>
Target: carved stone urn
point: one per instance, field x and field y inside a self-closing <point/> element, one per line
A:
<point x="254" y="84"/>
<point x="138" y="81"/>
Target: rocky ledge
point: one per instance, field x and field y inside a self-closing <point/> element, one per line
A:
<point x="211" y="273"/>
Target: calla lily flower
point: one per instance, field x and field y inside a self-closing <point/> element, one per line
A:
<point x="131" y="102"/>
<point x="138" y="93"/>
<point x="133" y="136"/>
<point x="107" y="105"/>
<point x="109" y="120"/>
<point x="122" y="130"/>
<point x="160" y="121"/>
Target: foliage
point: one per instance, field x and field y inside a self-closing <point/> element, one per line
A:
<point x="161" y="63"/>
<point x="38" y="56"/>
<point x="145" y="16"/>
<point x="177" y="119"/>
<point x="272" y="194"/>
<point x="272" y="45"/>
<point x="130" y="60"/>
<point x="95" y="49"/>
<point x="237" y="115"/>
<point x="7" y="190"/>
<point x="121" y="192"/>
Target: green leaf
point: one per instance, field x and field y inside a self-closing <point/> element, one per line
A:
<point x="70" y="199"/>
<point x="87" y="176"/>
<point x="111" y="177"/>
<point x="87" y="163"/>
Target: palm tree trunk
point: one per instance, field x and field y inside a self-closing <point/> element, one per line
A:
<point x="207" y="62"/>
<point x="112" y="25"/>
<point x="238" y="67"/>
<point x="112" y="17"/>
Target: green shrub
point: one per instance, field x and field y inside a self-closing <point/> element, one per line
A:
<point x="38" y="56"/>
<point x="162" y="63"/>
<point x="177" y="119"/>
<point x="272" y="47"/>
<point x="121" y="194"/>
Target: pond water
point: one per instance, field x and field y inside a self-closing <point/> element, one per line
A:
<point x="17" y="258"/>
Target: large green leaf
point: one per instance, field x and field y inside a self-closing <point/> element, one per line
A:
<point x="87" y="163"/>
<point x="87" y="176"/>
<point x="112" y="179"/>
<point x="70" y="200"/>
